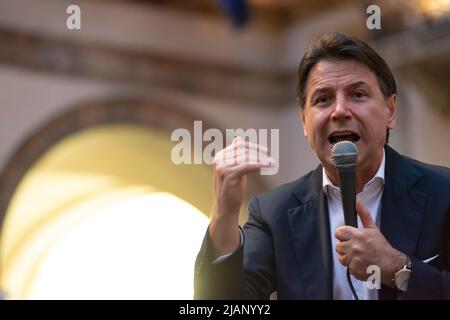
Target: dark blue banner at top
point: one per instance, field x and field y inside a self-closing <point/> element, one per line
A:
<point x="237" y="10"/>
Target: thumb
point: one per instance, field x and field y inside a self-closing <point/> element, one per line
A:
<point x="364" y="215"/>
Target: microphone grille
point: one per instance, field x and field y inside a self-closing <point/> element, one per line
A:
<point x="344" y="153"/>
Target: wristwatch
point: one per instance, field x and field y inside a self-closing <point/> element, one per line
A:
<point x="401" y="277"/>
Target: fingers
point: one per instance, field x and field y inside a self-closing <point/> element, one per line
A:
<point x="245" y="168"/>
<point x="344" y="233"/>
<point x="344" y="260"/>
<point x="364" y="215"/>
<point x="348" y="249"/>
<point x="239" y="142"/>
<point x="244" y="162"/>
<point x="342" y="247"/>
<point x="239" y="158"/>
<point x="243" y="156"/>
<point x="244" y="152"/>
<point x="239" y="146"/>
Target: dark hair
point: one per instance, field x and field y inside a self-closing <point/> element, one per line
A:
<point x="338" y="46"/>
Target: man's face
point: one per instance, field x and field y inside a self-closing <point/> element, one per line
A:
<point x="344" y="102"/>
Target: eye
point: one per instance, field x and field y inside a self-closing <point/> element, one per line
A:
<point x="359" y="94"/>
<point x="322" y="100"/>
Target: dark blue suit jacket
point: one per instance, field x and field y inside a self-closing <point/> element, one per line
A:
<point x="287" y="245"/>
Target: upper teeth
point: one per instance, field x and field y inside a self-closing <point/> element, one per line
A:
<point x="342" y="134"/>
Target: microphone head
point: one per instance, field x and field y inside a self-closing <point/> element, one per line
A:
<point x="344" y="153"/>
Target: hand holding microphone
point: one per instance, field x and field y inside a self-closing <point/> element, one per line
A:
<point x="359" y="248"/>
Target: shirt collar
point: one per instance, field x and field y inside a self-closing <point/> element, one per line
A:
<point x="379" y="175"/>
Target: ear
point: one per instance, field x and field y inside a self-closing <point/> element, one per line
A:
<point x="302" y="116"/>
<point x="391" y="109"/>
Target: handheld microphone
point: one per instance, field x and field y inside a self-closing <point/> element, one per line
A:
<point x="345" y="155"/>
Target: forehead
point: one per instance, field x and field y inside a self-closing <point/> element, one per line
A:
<point x="339" y="72"/>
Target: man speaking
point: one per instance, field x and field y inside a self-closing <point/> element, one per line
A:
<point x="295" y="242"/>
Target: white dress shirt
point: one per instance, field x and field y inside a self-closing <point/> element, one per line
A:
<point x="371" y="198"/>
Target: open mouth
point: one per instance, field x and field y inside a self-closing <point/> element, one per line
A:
<point x="343" y="136"/>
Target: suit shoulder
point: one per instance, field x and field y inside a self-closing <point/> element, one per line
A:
<point x="281" y="196"/>
<point x="433" y="173"/>
<point x="435" y="179"/>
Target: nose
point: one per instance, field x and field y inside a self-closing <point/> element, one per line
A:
<point x="342" y="109"/>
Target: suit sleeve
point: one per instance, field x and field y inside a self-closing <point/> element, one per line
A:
<point x="427" y="282"/>
<point x="247" y="273"/>
<point x="431" y="281"/>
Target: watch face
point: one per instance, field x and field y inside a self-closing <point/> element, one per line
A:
<point x="401" y="280"/>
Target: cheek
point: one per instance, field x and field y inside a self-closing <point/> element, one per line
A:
<point x="374" y="122"/>
<point x="378" y="123"/>
<point x="308" y="124"/>
<point x="315" y="127"/>
<point x="310" y="129"/>
<point x="318" y="126"/>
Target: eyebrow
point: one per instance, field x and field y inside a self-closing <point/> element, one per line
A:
<point x="351" y="86"/>
<point x="324" y="89"/>
<point x="320" y="90"/>
<point x="358" y="84"/>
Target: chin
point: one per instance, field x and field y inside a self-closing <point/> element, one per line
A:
<point x="326" y="160"/>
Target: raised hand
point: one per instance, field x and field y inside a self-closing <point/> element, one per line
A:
<point x="230" y="167"/>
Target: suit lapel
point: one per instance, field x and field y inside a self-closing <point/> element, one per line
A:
<point x="402" y="207"/>
<point x="309" y="229"/>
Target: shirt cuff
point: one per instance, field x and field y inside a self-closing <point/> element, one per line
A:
<point x="223" y="257"/>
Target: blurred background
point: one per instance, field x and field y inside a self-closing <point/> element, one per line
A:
<point x="91" y="205"/>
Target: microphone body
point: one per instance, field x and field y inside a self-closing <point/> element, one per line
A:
<point x="348" y="194"/>
<point x="345" y="155"/>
